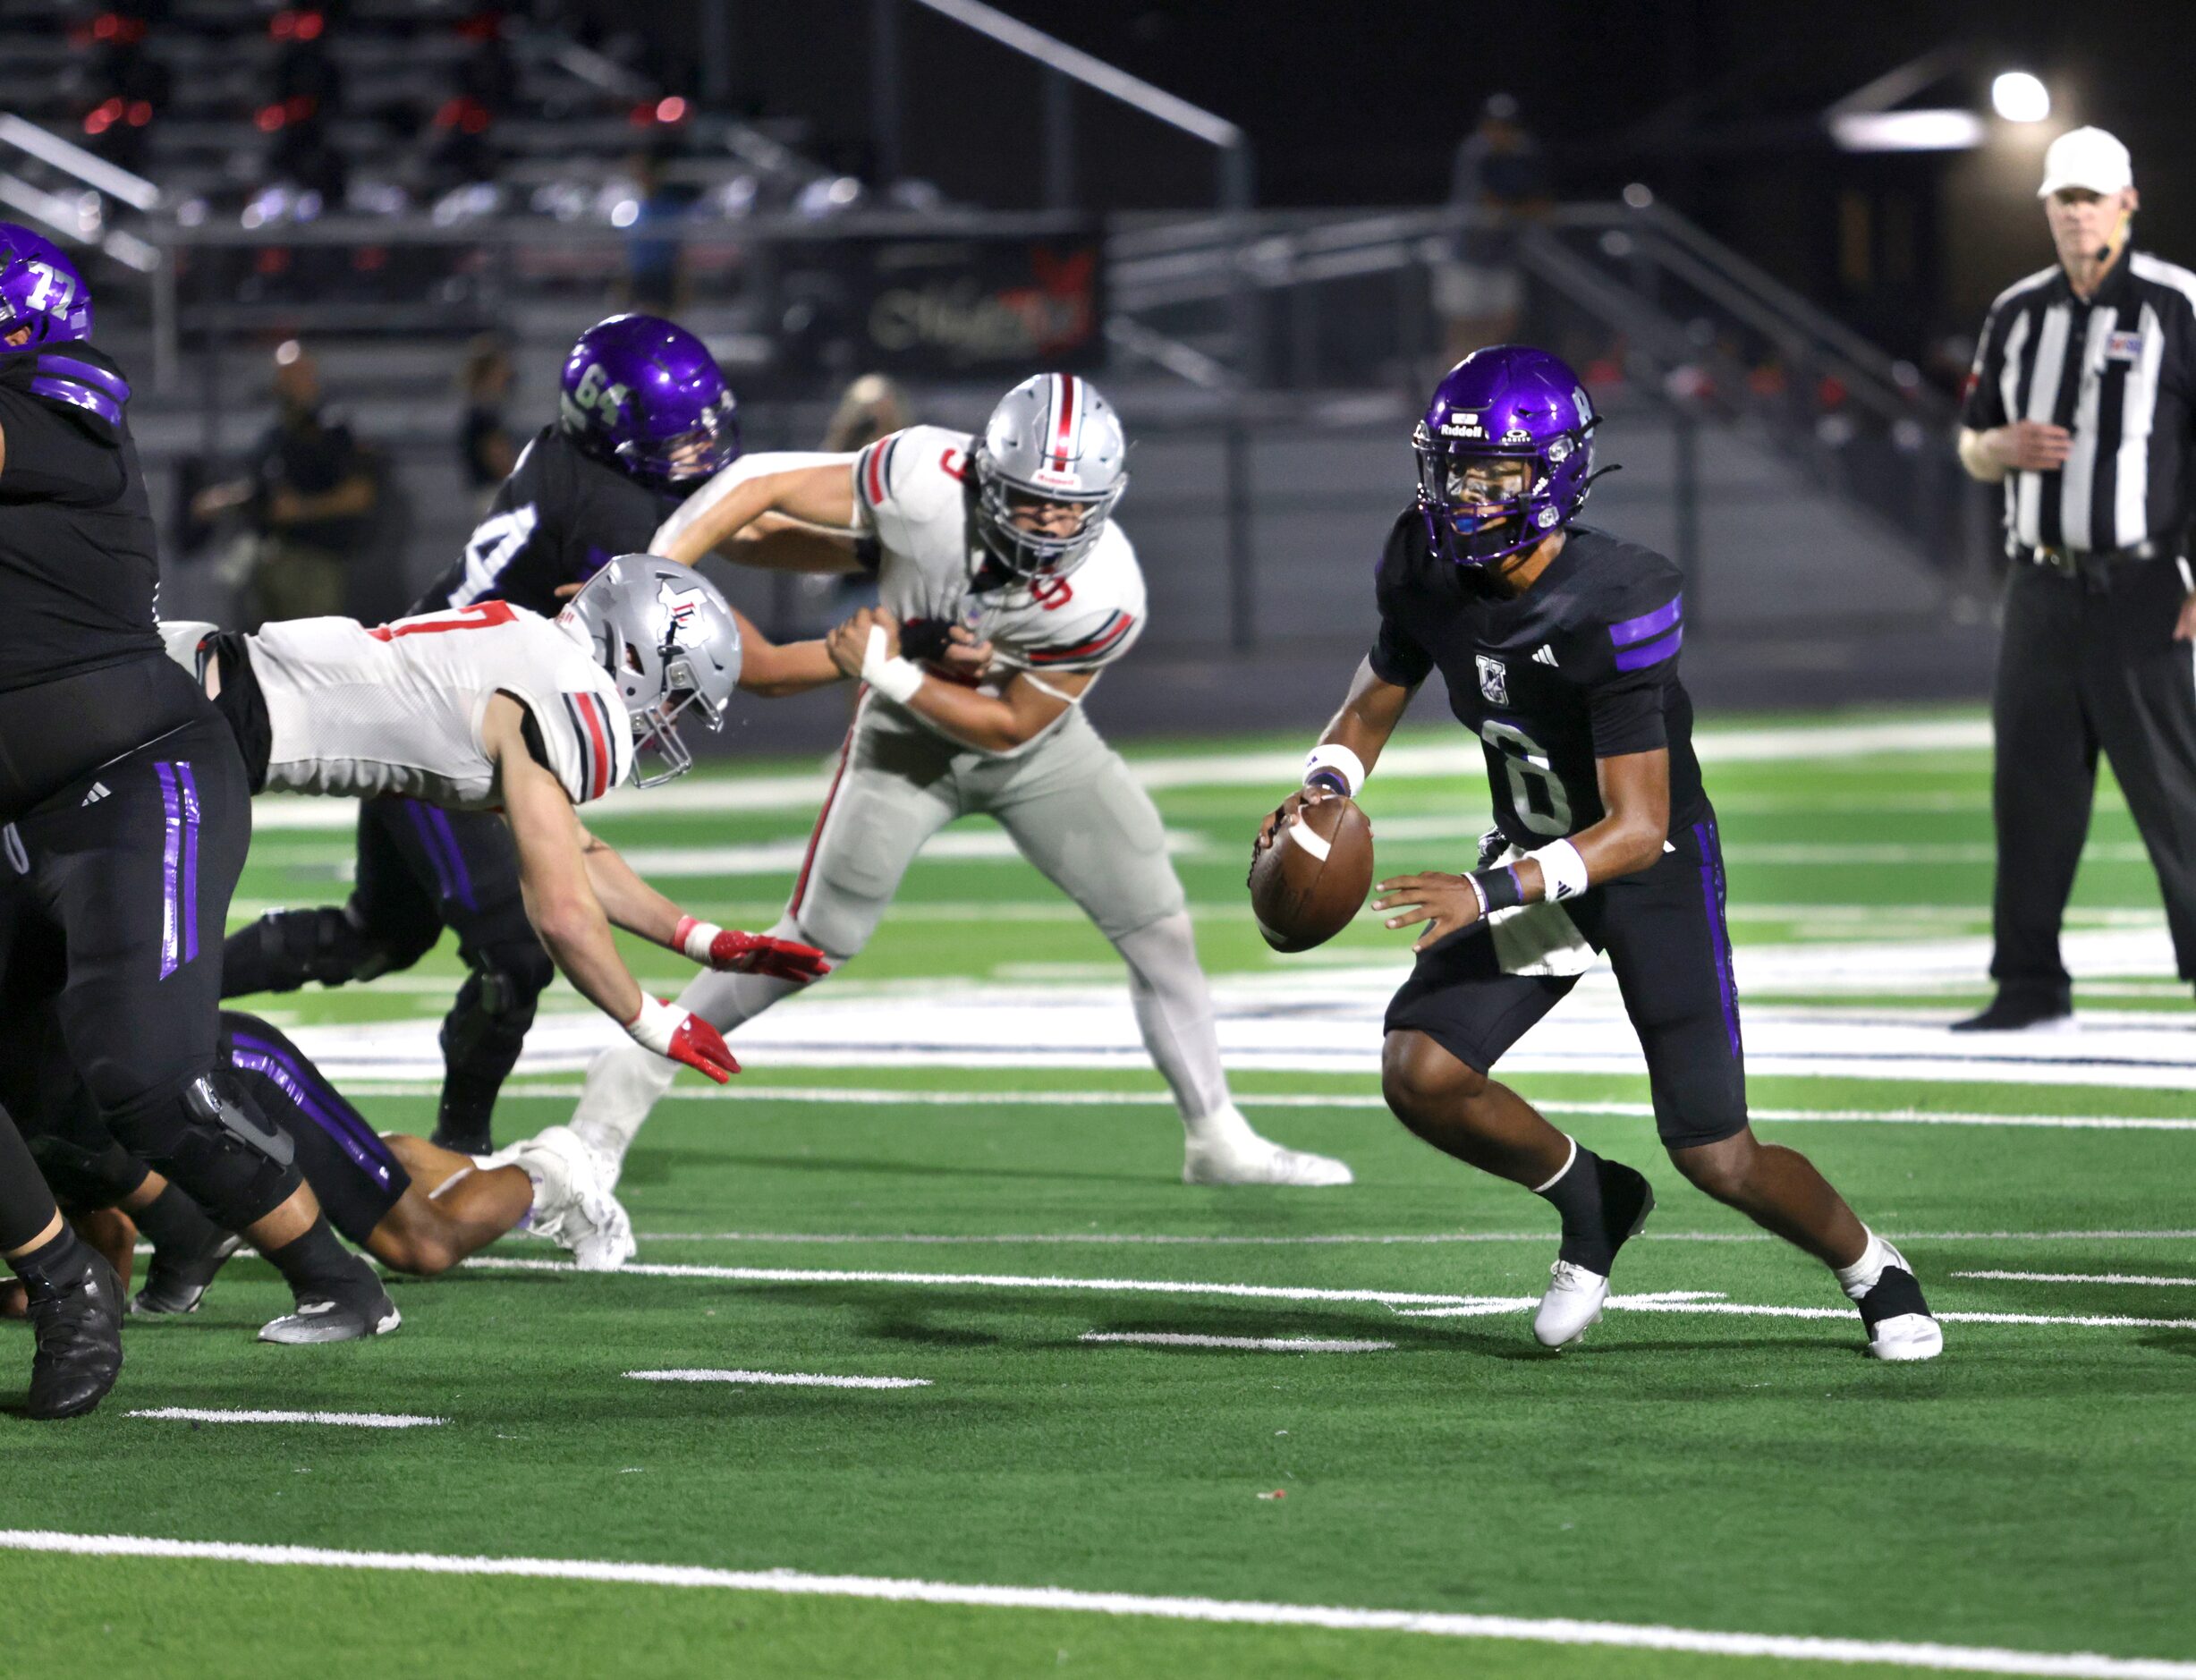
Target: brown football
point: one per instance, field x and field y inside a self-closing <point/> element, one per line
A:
<point x="1316" y="875"/>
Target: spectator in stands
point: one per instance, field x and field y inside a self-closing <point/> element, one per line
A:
<point x="309" y="496"/>
<point x="652" y="260"/>
<point x="1502" y="175"/>
<point x="487" y="451"/>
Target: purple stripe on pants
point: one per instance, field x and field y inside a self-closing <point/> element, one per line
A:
<point x="188" y="903"/>
<point x="352" y="1134"/>
<point x="171" y="847"/>
<point x="444" y="886"/>
<point x="458" y="871"/>
<point x="1719" y="932"/>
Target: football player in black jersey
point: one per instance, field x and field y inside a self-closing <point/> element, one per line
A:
<point x="644" y="418"/>
<point x="1558" y="646"/>
<point x="126" y="816"/>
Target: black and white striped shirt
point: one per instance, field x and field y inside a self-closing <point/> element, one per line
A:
<point x="2118" y="372"/>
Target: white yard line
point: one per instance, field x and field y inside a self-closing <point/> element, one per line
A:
<point x="1662" y="1302"/>
<point x="1531" y="1630"/>
<point x="1137" y="1239"/>
<point x="2086" y="1278"/>
<point x="346" y="1420"/>
<point x="1241" y="1344"/>
<point x="886" y="1097"/>
<point x="780" y="1378"/>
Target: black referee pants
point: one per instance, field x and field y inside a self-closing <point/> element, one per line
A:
<point x="2089" y="662"/>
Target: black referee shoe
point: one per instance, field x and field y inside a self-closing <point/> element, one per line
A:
<point x="78" y="1323"/>
<point x="2014" y="1012"/>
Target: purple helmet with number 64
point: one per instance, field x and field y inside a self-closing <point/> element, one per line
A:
<point x="42" y="292"/>
<point x="1505" y="402"/>
<point x="645" y="395"/>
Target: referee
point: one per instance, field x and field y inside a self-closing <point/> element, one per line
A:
<point x="2081" y="403"/>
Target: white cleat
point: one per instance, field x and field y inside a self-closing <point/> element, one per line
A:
<point x="1571" y="1305"/>
<point x="1234" y="1154"/>
<point x="1910" y="1336"/>
<point x="1900" y="1326"/>
<point x="571" y="1207"/>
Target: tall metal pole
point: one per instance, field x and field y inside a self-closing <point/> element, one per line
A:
<point x="1059" y="141"/>
<point x="885" y="108"/>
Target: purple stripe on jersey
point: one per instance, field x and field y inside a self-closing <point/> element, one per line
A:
<point x="444" y="889"/>
<point x="323" y="1107"/>
<point x="171" y="850"/>
<point x="188" y="900"/>
<point x="1648" y="623"/>
<point x="80" y="396"/>
<point x="1718" y="930"/>
<point x="87" y="372"/>
<point x="456" y="854"/>
<point x="1647" y="653"/>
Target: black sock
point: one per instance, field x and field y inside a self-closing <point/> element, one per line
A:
<point x="52" y="1264"/>
<point x="172" y="1220"/>
<point x="1576" y="1196"/>
<point x="316" y="1265"/>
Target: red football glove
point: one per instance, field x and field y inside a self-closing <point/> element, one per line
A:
<point x="670" y="1031"/>
<point x="731" y="952"/>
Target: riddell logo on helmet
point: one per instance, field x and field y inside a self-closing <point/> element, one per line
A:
<point x="1462" y="426"/>
<point x="1053" y="475"/>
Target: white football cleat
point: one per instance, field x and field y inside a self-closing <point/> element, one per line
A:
<point x="1900" y="1326"/>
<point x="1571" y="1305"/>
<point x="1229" y="1153"/>
<point x="571" y="1207"/>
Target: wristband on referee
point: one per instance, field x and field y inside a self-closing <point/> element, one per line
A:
<point x="1496" y="889"/>
<point x="896" y="679"/>
<point x="1333" y="766"/>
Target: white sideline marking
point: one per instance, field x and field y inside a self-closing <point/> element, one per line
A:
<point x="2086" y="1278"/>
<point x="1669" y="1300"/>
<point x="348" y="1419"/>
<point x="1531" y="1630"/>
<point x="1246" y="1344"/>
<point x="780" y="1378"/>
<point x="885" y="1096"/>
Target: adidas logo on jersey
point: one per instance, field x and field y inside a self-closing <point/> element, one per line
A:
<point x="98" y="792"/>
<point x="1544" y="655"/>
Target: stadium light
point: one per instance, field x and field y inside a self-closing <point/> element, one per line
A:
<point x="1938" y="130"/>
<point x="2020" y="98"/>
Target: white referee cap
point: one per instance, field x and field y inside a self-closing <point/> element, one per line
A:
<point x="2086" y="158"/>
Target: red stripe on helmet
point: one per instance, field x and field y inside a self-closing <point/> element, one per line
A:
<point x="1066" y="406"/>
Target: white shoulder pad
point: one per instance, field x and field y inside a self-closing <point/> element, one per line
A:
<point x="729" y="478"/>
<point x="1101" y="619"/>
<point x="910" y="482"/>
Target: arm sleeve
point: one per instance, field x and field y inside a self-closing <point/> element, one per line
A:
<point x="1625" y="709"/>
<point x="1981" y="407"/>
<point x="1397" y="656"/>
<point x="63" y="431"/>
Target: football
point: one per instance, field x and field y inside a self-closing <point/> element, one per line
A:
<point x="1316" y="875"/>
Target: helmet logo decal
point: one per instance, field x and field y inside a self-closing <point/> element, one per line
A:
<point x="595" y="391"/>
<point x="681" y="605"/>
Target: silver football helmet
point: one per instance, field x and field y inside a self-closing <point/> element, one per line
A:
<point x="1052" y="439"/>
<point x="669" y="641"/>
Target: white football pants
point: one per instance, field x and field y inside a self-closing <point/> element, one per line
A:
<point x="1072" y="809"/>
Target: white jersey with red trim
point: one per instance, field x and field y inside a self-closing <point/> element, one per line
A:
<point x="913" y="492"/>
<point x="399" y="708"/>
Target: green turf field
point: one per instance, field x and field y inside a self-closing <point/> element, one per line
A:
<point x="1716" y="1476"/>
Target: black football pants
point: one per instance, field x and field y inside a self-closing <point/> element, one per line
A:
<point x="2088" y="663"/>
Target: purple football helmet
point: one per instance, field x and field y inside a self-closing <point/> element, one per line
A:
<point x="646" y="397"/>
<point x="1505" y="402"/>
<point x="40" y="290"/>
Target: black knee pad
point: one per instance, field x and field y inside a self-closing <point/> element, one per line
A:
<point x="208" y="1137"/>
<point x="286" y="948"/>
<point x="84" y="1177"/>
<point x="496" y="1006"/>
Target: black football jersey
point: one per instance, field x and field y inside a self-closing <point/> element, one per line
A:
<point x="79" y="569"/>
<point x="1582" y="666"/>
<point x="559" y="518"/>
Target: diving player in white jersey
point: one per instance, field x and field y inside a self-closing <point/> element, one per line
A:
<point x="1002" y="539"/>
<point x="491" y="706"/>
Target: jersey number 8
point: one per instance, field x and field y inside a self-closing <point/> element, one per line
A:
<point x="1535" y="792"/>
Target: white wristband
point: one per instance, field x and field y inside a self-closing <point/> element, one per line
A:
<point x="896" y="679"/>
<point x="1333" y="755"/>
<point x="1563" y="872"/>
<point x="700" y="936"/>
<point x="654" y="1027"/>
